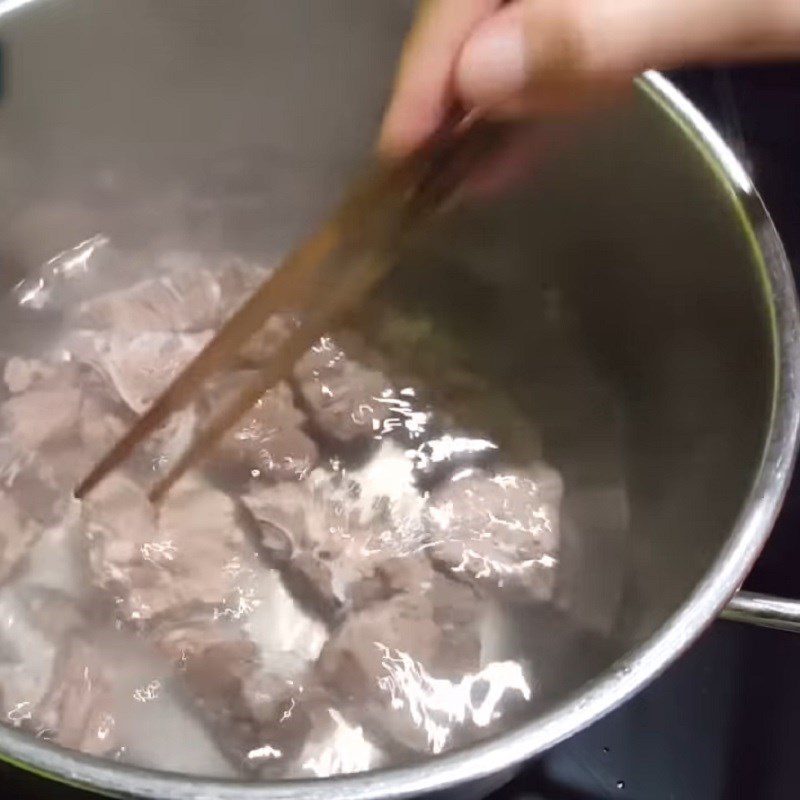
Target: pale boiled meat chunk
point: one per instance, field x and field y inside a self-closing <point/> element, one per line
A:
<point x="77" y="711"/>
<point x="56" y="371"/>
<point x="17" y="534"/>
<point x="51" y="582"/>
<point x="20" y="374"/>
<point x="157" y="563"/>
<point x="32" y="486"/>
<point x="342" y="537"/>
<point x="27" y="659"/>
<point x="140" y="367"/>
<point x="158" y="729"/>
<point x="39" y="423"/>
<point x="409" y="668"/>
<point x="186" y="297"/>
<point x="256" y="709"/>
<point x="269" y="441"/>
<point x="40" y="609"/>
<point x="367" y="659"/>
<point x="306" y="534"/>
<point x="499" y="530"/>
<point x="247" y="670"/>
<point x="118" y="522"/>
<point x="261" y="346"/>
<point x="120" y="377"/>
<point x="101" y="423"/>
<point x="346" y="399"/>
<point x="154" y="726"/>
<point x="237" y="280"/>
<point x="41" y="416"/>
<point x="59" y="419"/>
<point x="184" y="300"/>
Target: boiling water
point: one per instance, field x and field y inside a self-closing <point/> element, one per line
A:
<point x="390" y="557"/>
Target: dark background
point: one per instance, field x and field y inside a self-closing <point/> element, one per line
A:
<point x="724" y="722"/>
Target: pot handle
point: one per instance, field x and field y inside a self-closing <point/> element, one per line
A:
<point x="764" y="610"/>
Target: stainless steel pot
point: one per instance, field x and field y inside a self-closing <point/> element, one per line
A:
<point x="233" y="125"/>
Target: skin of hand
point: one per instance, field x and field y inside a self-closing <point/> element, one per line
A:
<point x="554" y="57"/>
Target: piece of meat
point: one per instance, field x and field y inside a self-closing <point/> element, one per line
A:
<point x="256" y="710"/>
<point x="184" y="300"/>
<point x="140" y="367"/>
<point x="302" y="534"/>
<point x="499" y="530"/>
<point x="188" y="296"/>
<point x="257" y="351"/>
<point x="59" y="419"/>
<point x="26" y="480"/>
<point x="27" y="659"/>
<point x="50" y="583"/>
<point x="17" y="534"/>
<point x="345" y="398"/>
<point x="365" y="661"/>
<point x="269" y="441"/>
<point x="465" y="401"/>
<point x="339" y="536"/>
<point x="77" y="711"/>
<point x="237" y="280"/>
<point x="54" y="430"/>
<point x="37" y="617"/>
<point x="41" y="416"/>
<point x="409" y="668"/>
<point x="100" y="424"/>
<point x="247" y="671"/>
<point x="161" y="563"/>
<point x="130" y="374"/>
<point x="120" y="377"/>
<point x="20" y="374"/>
<point x="160" y="729"/>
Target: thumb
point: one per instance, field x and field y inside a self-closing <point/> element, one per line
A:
<point x="550" y="54"/>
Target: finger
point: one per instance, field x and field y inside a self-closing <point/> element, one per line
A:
<point x="424" y="87"/>
<point x="547" y="54"/>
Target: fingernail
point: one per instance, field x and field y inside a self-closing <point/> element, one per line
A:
<point x="494" y="64"/>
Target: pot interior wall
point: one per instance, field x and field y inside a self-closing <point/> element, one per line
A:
<point x="618" y="295"/>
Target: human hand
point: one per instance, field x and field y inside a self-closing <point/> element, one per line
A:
<point x="548" y="57"/>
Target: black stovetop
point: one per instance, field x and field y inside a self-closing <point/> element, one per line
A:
<point x="724" y="721"/>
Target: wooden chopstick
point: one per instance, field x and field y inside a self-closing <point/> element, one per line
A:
<point x="327" y="275"/>
<point x="357" y="283"/>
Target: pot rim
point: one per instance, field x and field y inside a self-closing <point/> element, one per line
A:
<point x="626" y="676"/>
